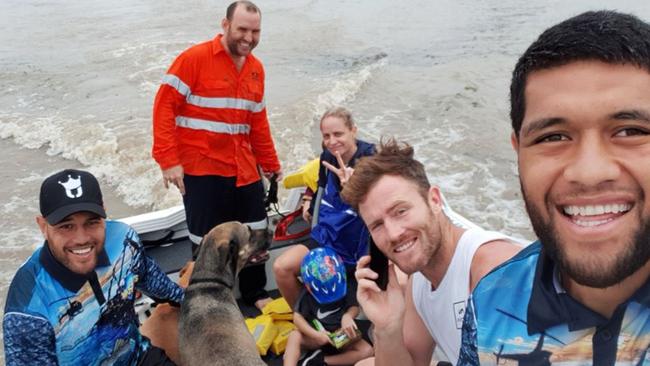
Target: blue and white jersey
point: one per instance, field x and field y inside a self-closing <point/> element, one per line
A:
<point x="519" y="314"/>
<point x="56" y="317"/>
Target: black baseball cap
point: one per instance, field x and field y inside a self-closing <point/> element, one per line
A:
<point x="70" y="191"/>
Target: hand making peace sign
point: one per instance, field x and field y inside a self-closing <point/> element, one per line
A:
<point x="343" y="172"/>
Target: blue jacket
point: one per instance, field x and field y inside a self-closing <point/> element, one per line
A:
<point x="55" y="317"/>
<point x="339" y="226"/>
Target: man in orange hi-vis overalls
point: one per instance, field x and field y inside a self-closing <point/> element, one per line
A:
<point x="211" y="132"/>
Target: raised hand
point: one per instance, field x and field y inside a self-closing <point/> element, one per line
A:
<point x="383" y="308"/>
<point x="344" y="172"/>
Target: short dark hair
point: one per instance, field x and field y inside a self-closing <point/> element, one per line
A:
<point x="250" y="7"/>
<point x="392" y="158"/>
<point x="605" y="36"/>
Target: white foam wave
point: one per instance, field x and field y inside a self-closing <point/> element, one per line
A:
<point x="117" y="157"/>
<point x="345" y="88"/>
<point x="24" y="239"/>
<point x="114" y="150"/>
<point x="479" y="187"/>
<point x="299" y="140"/>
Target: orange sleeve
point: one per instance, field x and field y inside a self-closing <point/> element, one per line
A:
<point x="262" y="141"/>
<point x="167" y="104"/>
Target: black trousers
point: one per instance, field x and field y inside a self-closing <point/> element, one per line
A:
<point x="211" y="200"/>
<point x="155" y="357"/>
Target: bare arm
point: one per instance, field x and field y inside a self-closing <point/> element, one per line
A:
<point x="417" y="339"/>
<point x="488" y="256"/>
<point x="301" y="323"/>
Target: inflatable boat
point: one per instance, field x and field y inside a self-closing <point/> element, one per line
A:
<point x="165" y="237"/>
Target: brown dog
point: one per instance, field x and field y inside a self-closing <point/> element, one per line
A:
<point x="211" y="328"/>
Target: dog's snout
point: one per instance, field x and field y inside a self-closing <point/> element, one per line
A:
<point x="259" y="239"/>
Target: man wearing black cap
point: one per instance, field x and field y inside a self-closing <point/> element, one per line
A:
<point x="72" y="301"/>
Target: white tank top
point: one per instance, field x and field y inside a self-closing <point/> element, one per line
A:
<point x="442" y="310"/>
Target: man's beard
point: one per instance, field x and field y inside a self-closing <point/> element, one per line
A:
<point x="585" y="271"/>
<point x="232" y="46"/>
<point x="430" y="241"/>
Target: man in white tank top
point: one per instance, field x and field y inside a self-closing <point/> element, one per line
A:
<point x="406" y="219"/>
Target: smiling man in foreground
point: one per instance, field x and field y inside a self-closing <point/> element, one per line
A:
<point x="405" y="217"/>
<point x="71" y="303"/>
<point x="580" y="99"/>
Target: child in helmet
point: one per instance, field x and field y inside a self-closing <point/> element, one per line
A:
<point x="329" y="298"/>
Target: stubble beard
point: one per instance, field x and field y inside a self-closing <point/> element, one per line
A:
<point x="232" y="46"/>
<point x="591" y="271"/>
<point x="431" y="248"/>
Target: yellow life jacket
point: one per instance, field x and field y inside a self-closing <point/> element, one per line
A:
<point x="272" y="328"/>
<point x="263" y="331"/>
<point x="306" y="176"/>
<point x="280" y="341"/>
<point x="278" y="309"/>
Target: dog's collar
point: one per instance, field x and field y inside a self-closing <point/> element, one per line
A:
<point x="212" y="280"/>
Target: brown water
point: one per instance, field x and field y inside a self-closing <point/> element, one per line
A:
<point x="79" y="79"/>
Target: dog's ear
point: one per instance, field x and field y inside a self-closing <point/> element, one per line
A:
<point x="233" y="253"/>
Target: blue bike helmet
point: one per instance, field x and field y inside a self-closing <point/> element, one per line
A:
<point x="323" y="273"/>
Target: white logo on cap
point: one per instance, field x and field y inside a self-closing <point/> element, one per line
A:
<point x="72" y="185"/>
